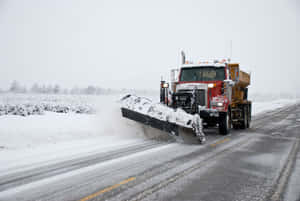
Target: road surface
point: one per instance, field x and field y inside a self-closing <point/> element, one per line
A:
<point x="261" y="163"/>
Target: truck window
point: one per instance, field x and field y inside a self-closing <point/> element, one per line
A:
<point x="202" y="74"/>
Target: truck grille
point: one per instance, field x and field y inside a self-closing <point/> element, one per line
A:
<point x="200" y="97"/>
<point x="183" y="99"/>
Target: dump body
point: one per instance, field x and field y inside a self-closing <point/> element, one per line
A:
<point x="242" y="79"/>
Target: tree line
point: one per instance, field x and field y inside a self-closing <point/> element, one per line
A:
<point x="16" y="87"/>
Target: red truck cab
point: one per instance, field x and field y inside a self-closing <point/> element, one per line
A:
<point x="203" y="89"/>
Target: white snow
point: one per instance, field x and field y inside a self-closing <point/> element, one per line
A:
<point x="54" y="136"/>
<point x="33" y="104"/>
<point x="264" y="106"/>
<point x="157" y="110"/>
<point x="18" y="132"/>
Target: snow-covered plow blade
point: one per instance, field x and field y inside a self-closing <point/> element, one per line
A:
<point x="150" y="121"/>
<point x="161" y="117"/>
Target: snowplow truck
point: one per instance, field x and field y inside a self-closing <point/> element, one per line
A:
<point x="215" y="90"/>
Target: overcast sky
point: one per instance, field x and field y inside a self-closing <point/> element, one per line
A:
<point x="130" y="44"/>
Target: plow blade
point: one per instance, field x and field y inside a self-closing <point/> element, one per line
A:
<point x="161" y="117"/>
<point x="150" y="121"/>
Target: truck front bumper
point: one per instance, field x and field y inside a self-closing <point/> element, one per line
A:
<point x="208" y="113"/>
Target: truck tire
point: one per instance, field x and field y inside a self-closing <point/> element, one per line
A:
<point x="244" y="122"/>
<point x="248" y="116"/>
<point x="248" y="123"/>
<point x="224" y="123"/>
<point x="235" y="126"/>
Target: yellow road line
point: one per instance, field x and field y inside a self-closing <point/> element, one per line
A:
<point x="107" y="189"/>
<point x="219" y="142"/>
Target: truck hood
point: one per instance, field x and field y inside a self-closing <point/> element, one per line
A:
<point x="191" y="86"/>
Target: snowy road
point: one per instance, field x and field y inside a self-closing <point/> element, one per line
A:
<point x="257" y="164"/>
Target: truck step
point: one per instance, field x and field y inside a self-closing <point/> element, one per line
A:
<point x="236" y="110"/>
<point x="236" y="120"/>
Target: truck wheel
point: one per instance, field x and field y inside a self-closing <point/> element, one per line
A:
<point x="248" y="118"/>
<point x="224" y="123"/>
<point x="244" y="123"/>
<point x="248" y="123"/>
<point x="236" y="126"/>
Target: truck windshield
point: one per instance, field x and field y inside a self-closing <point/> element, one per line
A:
<point x="202" y="74"/>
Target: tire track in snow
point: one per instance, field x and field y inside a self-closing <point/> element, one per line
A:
<point x="28" y="176"/>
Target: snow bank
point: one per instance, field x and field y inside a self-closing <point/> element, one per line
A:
<point x="17" y="132"/>
<point x="54" y="136"/>
<point x="264" y="106"/>
<point x="37" y="104"/>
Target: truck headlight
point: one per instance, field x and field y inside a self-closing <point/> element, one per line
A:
<point x="220" y="104"/>
<point x="166" y="85"/>
<point x="211" y="85"/>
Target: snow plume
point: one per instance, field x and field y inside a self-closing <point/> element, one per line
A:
<point x="51" y="128"/>
<point x="110" y="121"/>
<point x="104" y="125"/>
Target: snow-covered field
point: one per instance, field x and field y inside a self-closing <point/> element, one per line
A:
<point x="263" y="106"/>
<point x="58" y="135"/>
<point x="38" y="104"/>
<point x="18" y="132"/>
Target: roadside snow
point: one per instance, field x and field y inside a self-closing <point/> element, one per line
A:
<point x="13" y="160"/>
<point x="36" y="130"/>
<point x="18" y="132"/>
<point x="264" y="106"/>
<point x="27" y="132"/>
<point x="37" y="104"/>
<point x="53" y="136"/>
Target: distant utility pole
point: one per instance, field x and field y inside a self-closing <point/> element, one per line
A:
<point x="182" y="57"/>
<point x="230" y="49"/>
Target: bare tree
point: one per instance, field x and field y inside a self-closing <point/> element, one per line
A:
<point x="35" y="88"/>
<point x="90" y="90"/>
<point x="56" y="89"/>
<point x="49" y="89"/>
<point x="15" y="87"/>
<point x="75" y="90"/>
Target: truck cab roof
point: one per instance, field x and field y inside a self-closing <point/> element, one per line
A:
<point x="203" y="65"/>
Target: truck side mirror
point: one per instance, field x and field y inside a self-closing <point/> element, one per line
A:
<point x="174" y="75"/>
<point x="164" y="92"/>
<point x="229" y="82"/>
